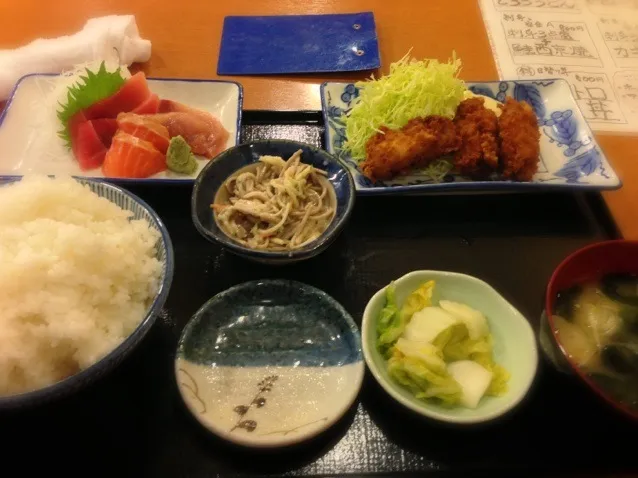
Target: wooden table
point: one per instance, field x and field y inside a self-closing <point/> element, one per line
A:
<point x="186" y="37"/>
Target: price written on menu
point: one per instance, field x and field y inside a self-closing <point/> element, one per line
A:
<point x="593" y="44"/>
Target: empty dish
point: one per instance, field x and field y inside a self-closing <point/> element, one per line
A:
<point x="269" y="363"/>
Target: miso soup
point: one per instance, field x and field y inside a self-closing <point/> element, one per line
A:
<point x="597" y="325"/>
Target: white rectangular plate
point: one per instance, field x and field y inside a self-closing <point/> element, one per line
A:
<point x="570" y="157"/>
<point x="29" y="143"/>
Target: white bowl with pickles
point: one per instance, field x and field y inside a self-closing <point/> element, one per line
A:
<point x="449" y="347"/>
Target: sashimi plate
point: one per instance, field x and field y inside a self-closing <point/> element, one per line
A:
<point x="28" y="127"/>
<point x="570" y="156"/>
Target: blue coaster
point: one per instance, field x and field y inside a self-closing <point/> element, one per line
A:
<point x="270" y="45"/>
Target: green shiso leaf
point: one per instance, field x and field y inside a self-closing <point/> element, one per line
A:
<point x="90" y="89"/>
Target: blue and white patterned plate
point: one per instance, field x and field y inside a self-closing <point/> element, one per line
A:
<point x="28" y="126"/>
<point x="570" y="156"/>
<point x="269" y="363"/>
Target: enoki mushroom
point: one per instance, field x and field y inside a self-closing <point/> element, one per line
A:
<point x="282" y="205"/>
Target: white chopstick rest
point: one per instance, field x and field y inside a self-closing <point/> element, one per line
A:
<point x="113" y="38"/>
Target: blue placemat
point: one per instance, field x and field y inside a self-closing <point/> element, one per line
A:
<point x="254" y="45"/>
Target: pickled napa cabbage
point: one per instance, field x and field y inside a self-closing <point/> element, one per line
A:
<point x="439" y="352"/>
<point x="392" y="321"/>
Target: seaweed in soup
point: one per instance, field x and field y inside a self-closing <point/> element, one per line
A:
<point x="629" y="316"/>
<point x="621" y="358"/>
<point x="566" y="300"/>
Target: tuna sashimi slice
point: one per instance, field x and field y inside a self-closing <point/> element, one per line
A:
<point x="143" y="127"/>
<point x="131" y="95"/>
<point x="149" y="107"/>
<point x="105" y="129"/>
<point x="87" y="145"/>
<point x="131" y="157"/>
<point x="90" y="139"/>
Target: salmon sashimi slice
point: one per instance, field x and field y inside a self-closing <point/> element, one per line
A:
<point x="143" y="127"/>
<point x="202" y="131"/>
<point x="149" y="107"/>
<point x="131" y="95"/>
<point x="131" y="157"/>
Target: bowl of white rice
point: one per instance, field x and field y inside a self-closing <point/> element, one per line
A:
<point x="85" y="268"/>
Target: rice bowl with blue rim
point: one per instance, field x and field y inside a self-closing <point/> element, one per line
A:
<point x="90" y="310"/>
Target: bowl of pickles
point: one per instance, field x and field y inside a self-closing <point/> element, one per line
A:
<point x="449" y="347"/>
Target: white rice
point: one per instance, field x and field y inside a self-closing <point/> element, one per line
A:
<point x="76" y="278"/>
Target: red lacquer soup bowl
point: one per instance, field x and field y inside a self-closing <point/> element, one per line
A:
<point x="585" y="265"/>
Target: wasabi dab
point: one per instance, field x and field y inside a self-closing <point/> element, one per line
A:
<point x="179" y="158"/>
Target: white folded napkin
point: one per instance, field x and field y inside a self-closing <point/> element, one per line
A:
<point x="114" y="38"/>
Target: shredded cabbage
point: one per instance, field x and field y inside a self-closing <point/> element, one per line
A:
<point x="412" y="89"/>
<point x="436" y="170"/>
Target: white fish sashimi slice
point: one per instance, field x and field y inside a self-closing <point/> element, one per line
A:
<point x="473" y="378"/>
<point x="475" y="321"/>
<point x="428" y="323"/>
<point x="202" y="131"/>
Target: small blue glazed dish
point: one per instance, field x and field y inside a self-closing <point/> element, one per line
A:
<point x="269" y="363"/>
<point x="215" y="173"/>
<point x="163" y="253"/>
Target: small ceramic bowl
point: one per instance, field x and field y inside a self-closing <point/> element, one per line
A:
<point x="514" y="344"/>
<point x="586" y="264"/>
<point x="223" y="166"/>
<point x="163" y="252"/>
<point x="269" y="363"/>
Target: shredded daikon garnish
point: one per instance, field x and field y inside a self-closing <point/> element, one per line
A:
<point x="43" y="120"/>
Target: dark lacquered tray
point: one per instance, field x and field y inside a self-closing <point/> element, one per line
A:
<point x="133" y="423"/>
